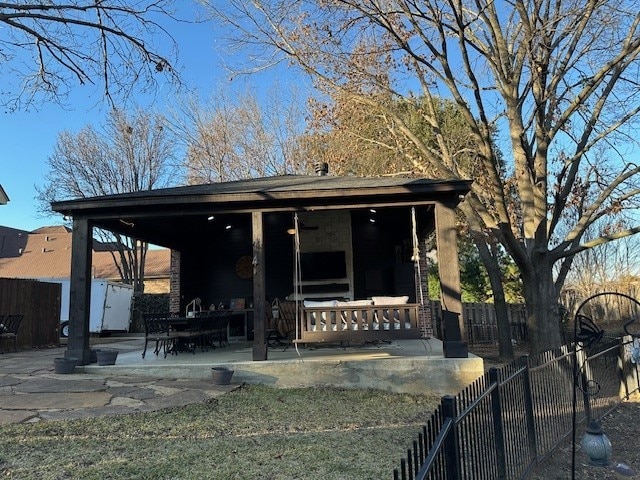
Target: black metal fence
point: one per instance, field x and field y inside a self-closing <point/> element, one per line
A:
<point x="508" y="420"/>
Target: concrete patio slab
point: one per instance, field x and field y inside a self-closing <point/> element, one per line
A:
<point x="404" y="366"/>
<point x="30" y="391"/>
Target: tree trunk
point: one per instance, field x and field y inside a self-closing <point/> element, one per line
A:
<point x="542" y="307"/>
<point x="502" y="319"/>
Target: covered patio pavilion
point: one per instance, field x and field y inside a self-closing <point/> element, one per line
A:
<point x="229" y="241"/>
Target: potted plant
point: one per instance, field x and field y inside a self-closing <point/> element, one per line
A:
<point x="64" y="365"/>
<point x="221" y="375"/>
<point x="107" y="356"/>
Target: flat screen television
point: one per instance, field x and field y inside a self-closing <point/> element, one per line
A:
<point x="322" y="265"/>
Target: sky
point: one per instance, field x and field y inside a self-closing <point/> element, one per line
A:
<point x="28" y="138"/>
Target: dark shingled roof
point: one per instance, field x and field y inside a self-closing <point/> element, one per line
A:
<point x="270" y="188"/>
<point x="283" y="183"/>
<point x="162" y="216"/>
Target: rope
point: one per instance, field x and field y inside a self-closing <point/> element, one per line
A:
<point x="297" y="280"/>
<point x="416" y="260"/>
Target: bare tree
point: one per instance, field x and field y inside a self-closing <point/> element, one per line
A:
<point x="237" y="136"/>
<point x="556" y="80"/>
<point x="132" y="153"/>
<point x="363" y="140"/>
<point x="47" y="47"/>
<point x="612" y="266"/>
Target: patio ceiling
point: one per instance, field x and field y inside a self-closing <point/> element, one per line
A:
<point x="169" y="216"/>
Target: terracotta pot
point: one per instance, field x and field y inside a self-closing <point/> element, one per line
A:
<point x="107" y="356"/>
<point x="64" y="365"/>
<point x="221" y="375"/>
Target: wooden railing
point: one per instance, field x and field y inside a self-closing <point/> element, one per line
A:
<point x="359" y="323"/>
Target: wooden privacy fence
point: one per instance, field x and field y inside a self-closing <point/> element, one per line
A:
<point x="481" y="322"/>
<point x="508" y="420"/>
<point x="39" y="302"/>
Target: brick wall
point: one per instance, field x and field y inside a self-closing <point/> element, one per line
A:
<point x="174" y="282"/>
<point x="425" y="320"/>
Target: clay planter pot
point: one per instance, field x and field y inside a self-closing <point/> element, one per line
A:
<point x="94" y="355"/>
<point x="64" y="365"/>
<point x="106" y="356"/>
<point x="221" y="375"/>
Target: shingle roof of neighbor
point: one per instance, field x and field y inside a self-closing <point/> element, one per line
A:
<point x="11" y="241"/>
<point x="46" y="253"/>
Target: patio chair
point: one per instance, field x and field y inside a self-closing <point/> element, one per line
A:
<point x="9" y="326"/>
<point x="193" y="336"/>
<point x="286" y="325"/>
<point x="271" y="323"/>
<point x="219" y="327"/>
<point x="157" y="328"/>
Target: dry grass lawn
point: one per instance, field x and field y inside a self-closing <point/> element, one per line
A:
<point x="254" y="432"/>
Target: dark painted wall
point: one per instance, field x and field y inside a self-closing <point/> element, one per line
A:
<point x="208" y="270"/>
<point x="382" y="253"/>
<point x="382" y="257"/>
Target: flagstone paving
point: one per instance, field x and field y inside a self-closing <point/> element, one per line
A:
<point x="30" y="391"/>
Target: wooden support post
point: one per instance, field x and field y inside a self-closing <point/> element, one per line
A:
<point x="259" y="294"/>
<point x="80" y="291"/>
<point x="454" y="341"/>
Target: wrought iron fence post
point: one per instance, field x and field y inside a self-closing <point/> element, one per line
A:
<point x="451" y="449"/>
<point x="496" y="411"/>
<point x="528" y="405"/>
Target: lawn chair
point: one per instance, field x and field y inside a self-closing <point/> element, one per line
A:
<point x="9" y="326"/>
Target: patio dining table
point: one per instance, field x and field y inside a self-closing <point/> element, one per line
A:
<point x="202" y="330"/>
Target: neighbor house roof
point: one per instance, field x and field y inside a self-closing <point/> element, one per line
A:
<point x="46" y="253"/>
<point x="12" y="241"/>
<point x="157" y="265"/>
<point x="4" y="198"/>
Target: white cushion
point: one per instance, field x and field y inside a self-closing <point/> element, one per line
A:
<point x="325" y="303"/>
<point x="390" y="300"/>
<point x="355" y="303"/>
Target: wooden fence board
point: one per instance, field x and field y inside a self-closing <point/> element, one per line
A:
<point x="480" y="321"/>
<point x="39" y="302"/>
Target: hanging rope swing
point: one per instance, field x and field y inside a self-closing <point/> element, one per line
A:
<point x="415" y="257"/>
<point x="297" y="278"/>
